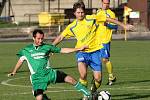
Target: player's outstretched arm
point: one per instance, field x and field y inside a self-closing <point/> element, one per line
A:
<point x="69" y="50"/>
<point x="58" y="39"/>
<point x="125" y="26"/>
<point x="18" y="65"/>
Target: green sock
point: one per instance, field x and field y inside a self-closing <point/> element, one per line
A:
<point x="82" y="88"/>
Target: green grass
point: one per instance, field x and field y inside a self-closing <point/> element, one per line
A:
<point x="131" y="66"/>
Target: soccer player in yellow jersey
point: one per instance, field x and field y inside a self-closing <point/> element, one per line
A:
<point x="83" y="28"/>
<point x="105" y="32"/>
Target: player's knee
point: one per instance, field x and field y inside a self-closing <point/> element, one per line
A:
<point x="104" y="60"/>
<point x="38" y="92"/>
<point x="61" y="76"/>
<point x="98" y="78"/>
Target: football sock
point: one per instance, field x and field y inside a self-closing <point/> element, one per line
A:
<point x="45" y="97"/>
<point x="109" y="67"/>
<point x="97" y="84"/>
<point x="82" y="88"/>
<point x="83" y="82"/>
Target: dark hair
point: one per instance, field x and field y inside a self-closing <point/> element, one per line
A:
<point x="108" y="0"/>
<point x="77" y="5"/>
<point x="37" y="31"/>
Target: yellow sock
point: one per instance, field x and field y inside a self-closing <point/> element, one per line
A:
<point x="97" y="84"/>
<point x="83" y="82"/>
<point x="109" y="67"/>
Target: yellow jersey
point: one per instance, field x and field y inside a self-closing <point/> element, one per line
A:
<point x="105" y="34"/>
<point x="85" y="32"/>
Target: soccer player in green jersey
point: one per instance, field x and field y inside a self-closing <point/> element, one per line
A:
<point x="37" y="57"/>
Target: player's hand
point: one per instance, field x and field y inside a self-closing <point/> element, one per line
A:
<point x="11" y="74"/>
<point x="83" y="48"/>
<point x="129" y="27"/>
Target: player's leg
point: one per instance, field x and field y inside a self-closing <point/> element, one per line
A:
<point x="105" y="54"/>
<point x="82" y="59"/>
<point x="39" y="85"/>
<point x="38" y="94"/>
<point x="63" y="77"/>
<point x="97" y="81"/>
<point x="82" y="67"/>
<point x="96" y="66"/>
<point x="109" y="67"/>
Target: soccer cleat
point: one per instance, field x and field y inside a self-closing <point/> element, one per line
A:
<point x="111" y="80"/>
<point x="88" y="97"/>
<point x="85" y="98"/>
<point x="95" y="96"/>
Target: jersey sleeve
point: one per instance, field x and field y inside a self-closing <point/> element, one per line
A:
<point x="54" y="49"/>
<point x="112" y="15"/>
<point x="20" y="53"/>
<point x="67" y="33"/>
<point x="101" y="16"/>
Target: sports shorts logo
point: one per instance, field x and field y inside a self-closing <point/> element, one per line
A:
<point x="81" y="59"/>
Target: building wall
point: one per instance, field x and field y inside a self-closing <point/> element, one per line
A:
<point x="22" y="9"/>
<point x="140" y="5"/>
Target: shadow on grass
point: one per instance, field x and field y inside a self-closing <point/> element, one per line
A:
<point x="130" y="82"/>
<point x="131" y="96"/>
<point x="65" y="67"/>
<point x="21" y="71"/>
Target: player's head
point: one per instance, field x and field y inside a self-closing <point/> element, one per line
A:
<point x="105" y="4"/>
<point x="79" y="10"/>
<point x="38" y="37"/>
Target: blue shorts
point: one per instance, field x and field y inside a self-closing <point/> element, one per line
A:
<point x="105" y="51"/>
<point x="92" y="59"/>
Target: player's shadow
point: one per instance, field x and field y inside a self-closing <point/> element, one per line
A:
<point x="65" y="67"/>
<point x="130" y="82"/>
<point x="20" y="71"/>
<point x="130" y="96"/>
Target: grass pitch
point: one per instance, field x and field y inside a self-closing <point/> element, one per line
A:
<point x="131" y="67"/>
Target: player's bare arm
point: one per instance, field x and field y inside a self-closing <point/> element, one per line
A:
<point x="69" y="50"/>
<point x="125" y="26"/>
<point x="18" y="65"/>
<point x="58" y="40"/>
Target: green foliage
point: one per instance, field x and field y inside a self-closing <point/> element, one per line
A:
<point x="5" y="24"/>
<point x="131" y="66"/>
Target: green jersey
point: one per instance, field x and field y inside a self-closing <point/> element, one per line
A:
<point x="41" y="72"/>
<point x="38" y="58"/>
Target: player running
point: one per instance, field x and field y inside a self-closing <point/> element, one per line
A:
<point x="84" y="28"/>
<point x="105" y="30"/>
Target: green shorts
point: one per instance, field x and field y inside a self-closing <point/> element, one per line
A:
<point x="41" y="81"/>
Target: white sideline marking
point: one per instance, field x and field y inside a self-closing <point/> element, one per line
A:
<point x="5" y="82"/>
<point x="25" y="93"/>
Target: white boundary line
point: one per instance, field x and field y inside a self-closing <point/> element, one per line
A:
<point x="132" y="88"/>
<point x="25" y="93"/>
<point x="6" y="82"/>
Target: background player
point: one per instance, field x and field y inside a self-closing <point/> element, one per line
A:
<point x="106" y="36"/>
